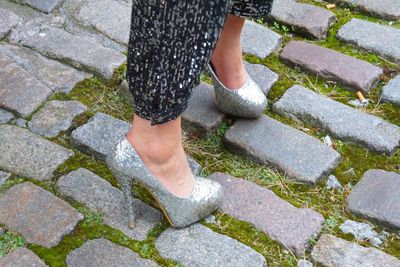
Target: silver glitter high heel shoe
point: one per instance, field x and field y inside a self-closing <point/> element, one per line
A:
<point x="127" y="166"/>
<point x="248" y="101"/>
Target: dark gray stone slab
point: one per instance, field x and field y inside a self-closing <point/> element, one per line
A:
<point x="102" y="252"/>
<point x="263" y="76"/>
<point x="353" y="73"/>
<point x="201" y="116"/>
<point x="8" y="20"/>
<point x="27" y="154"/>
<point x="56" y="76"/>
<point x="111" y="18"/>
<point x="197" y="245"/>
<point x="41" y="217"/>
<point x="5" y="116"/>
<point x="380" y="39"/>
<point x="55" y="116"/>
<point x="4" y="177"/>
<point x="293" y="227"/>
<point x="47" y="36"/>
<point x="99" y="195"/>
<point x="47" y="6"/>
<point x="259" y="40"/>
<point x="21" y="257"/>
<point x="387" y="9"/>
<point x="292" y="151"/>
<point x="340" y="120"/>
<point x="99" y="134"/>
<point x="376" y="197"/>
<point x="20" y="92"/>
<point x="333" y="251"/>
<point x="309" y="19"/>
<point x="391" y="92"/>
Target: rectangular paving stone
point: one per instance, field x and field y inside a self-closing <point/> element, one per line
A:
<point x="380" y="39"/>
<point x="111" y="18"/>
<point x="197" y="245"/>
<point x="55" y="116"/>
<point x="376" y="196"/>
<point x="387" y="9"/>
<point x="55" y="75"/>
<point x="353" y="73"/>
<point x="102" y="252"/>
<point x="339" y="120"/>
<point x="201" y="116"/>
<point x="8" y="20"/>
<point x="391" y="91"/>
<point x="99" y="134"/>
<point x="293" y="227"/>
<point x="41" y="217"/>
<point x="334" y="251"/>
<point x="309" y="19"/>
<point x="29" y="155"/>
<point x="20" y="92"/>
<point x="268" y="141"/>
<point x="263" y="76"/>
<point x="259" y="40"/>
<point x="99" y="195"/>
<point x="56" y="43"/>
<point x="21" y="257"/>
<point x="47" y="6"/>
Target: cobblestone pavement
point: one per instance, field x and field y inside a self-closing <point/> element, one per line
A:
<point x="64" y="101"/>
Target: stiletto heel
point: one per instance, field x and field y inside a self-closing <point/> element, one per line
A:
<point x="125" y="164"/>
<point x="247" y="101"/>
<point x="126" y="185"/>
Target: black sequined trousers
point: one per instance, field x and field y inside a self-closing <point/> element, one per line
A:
<point x="170" y="44"/>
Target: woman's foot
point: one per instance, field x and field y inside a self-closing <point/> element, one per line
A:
<point x="227" y="56"/>
<point x="160" y="148"/>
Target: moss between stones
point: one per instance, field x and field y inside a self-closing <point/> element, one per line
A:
<point x="104" y="96"/>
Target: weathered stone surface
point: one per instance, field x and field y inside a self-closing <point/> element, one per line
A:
<point x="354" y="73"/>
<point x="20" y="92"/>
<point x="333" y="183"/>
<point x="309" y="19"/>
<point x="387" y="9"/>
<point x="110" y="17"/>
<point x="23" y="11"/>
<point x="56" y="76"/>
<point x="304" y="263"/>
<point x="246" y="201"/>
<point x="41" y="217"/>
<point x="292" y="151"/>
<point x="102" y="252"/>
<point x="47" y="6"/>
<point x="362" y="232"/>
<point x="340" y="120"/>
<point x="263" y="76"/>
<point x="20" y="122"/>
<point x="55" y="116"/>
<point x="198" y="245"/>
<point x="27" y="154"/>
<point x="380" y="39"/>
<point x="99" y="134"/>
<point x="376" y="197"/>
<point x="21" y="257"/>
<point x="8" y="20"/>
<point x="124" y="87"/>
<point x="259" y="40"/>
<point x="99" y="195"/>
<point x="4" y="177"/>
<point x="391" y="92"/>
<point x="5" y="116"/>
<point x="333" y="251"/>
<point x="46" y="35"/>
<point x="201" y="116"/>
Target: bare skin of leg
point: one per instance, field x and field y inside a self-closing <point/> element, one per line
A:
<point x="227" y="56"/>
<point x="160" y="146"/>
